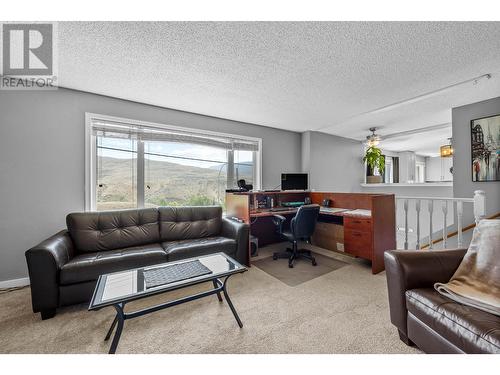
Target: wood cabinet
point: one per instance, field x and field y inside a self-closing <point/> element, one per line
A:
<point x="358" y="237"/>
<point x="359" y="224"/>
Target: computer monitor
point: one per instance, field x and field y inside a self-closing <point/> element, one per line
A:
<point x="294" y="181"/>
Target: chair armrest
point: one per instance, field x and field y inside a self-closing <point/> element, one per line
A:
<point x="278" y="220"/>
<point x="411" y="269"/>
<point x="241" y="233"/>
<point x="44" y="264"/>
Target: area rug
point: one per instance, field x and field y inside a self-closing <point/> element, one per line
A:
<point x="302" y="270"/>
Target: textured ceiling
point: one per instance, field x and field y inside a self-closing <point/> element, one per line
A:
<point x="290" y="75"/>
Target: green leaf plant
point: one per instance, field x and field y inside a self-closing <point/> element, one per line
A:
<point x="374" y="159"/>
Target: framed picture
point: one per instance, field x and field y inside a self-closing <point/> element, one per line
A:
<point x="485" y="146"/>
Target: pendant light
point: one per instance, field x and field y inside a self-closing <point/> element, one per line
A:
<point x="446" y="151"/>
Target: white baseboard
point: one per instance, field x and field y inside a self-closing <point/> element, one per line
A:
<point x="14" y="283"/>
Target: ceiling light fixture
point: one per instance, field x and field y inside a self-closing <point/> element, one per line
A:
<point x="373" y="139"/>
<point x="446" y="151"/>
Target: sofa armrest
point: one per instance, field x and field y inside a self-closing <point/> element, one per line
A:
<point x="239" y="232"/>
<point x="410" y="269"/>
<point x="45" y="261"/>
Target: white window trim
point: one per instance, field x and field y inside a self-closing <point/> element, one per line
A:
<point x="91" y="151"/>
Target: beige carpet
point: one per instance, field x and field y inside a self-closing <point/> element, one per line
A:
<point x="345" y="311"/>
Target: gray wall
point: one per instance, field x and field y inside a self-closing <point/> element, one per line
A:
<point x="463" y="187"/>
<point x="334" y="163"/>
<point x="42" y="159"/>
<point x="306" y="151"/>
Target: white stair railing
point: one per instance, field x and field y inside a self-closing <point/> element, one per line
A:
<point x="479" y="206"/>
<point x="417" y="208"/>
<point x="460" y="211"/>
<point x="445" y="224"/>
<point x="431" y="211"/>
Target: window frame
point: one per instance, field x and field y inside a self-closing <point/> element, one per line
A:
<point x="91" y="154"/>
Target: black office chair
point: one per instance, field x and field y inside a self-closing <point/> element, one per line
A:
<point x="301" y="229"/>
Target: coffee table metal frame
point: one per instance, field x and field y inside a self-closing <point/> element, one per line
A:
<point x="219" y="282"/>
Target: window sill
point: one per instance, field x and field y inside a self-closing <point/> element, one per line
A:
<point x="424" y="184"/>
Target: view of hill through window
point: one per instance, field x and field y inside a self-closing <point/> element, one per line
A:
<point x="175" y="174"/>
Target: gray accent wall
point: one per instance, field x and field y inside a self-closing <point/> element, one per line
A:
<point x="333" y="163"/>
<point x="463" y="186"/>
<point x="42" y="141"/>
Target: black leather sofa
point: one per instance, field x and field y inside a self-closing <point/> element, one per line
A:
<point x="424" y="317"/>
<point x="64" y="268"/>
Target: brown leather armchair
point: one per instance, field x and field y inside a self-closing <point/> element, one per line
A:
<point x="424" y="317"/>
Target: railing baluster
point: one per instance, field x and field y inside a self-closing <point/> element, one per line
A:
<point x="460" y="210"/>
<point x="431" y="209"/>
<point x="479" y="209"/>
<point x="406" y="223"/>
<point x="445" y="225"/>
<point x="479" y="205"/>
<point x="417" y="208"/>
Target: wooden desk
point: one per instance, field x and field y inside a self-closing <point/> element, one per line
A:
<point x="366" y="229"/>
<point x="270" y="212"/>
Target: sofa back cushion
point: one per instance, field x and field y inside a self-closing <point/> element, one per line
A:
<point x="100" y="231"/>
<point x="183" y="223"/>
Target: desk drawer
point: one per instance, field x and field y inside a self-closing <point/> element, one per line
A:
<point x="358" y="243"/>
<point x="358" y="224"/>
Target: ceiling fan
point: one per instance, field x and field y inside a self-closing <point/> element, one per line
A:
<point x="373" y="139"/>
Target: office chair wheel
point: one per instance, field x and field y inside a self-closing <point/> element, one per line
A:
<point x="290" y="265"/>
<point x="314" y="262"/>
<point x="275" y="257"/>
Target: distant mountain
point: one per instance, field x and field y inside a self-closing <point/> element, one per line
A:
<point x="166" y="183"/>
<point x="244" y="170"/>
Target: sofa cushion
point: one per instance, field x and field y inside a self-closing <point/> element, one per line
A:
<point x="89" y="266"/>
<point x="183" y="223"/>
<point x="201" y="246"/>
<point x="99" y="231"/>
<point x="470" y="329"/>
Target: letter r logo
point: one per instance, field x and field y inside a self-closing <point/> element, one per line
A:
<point x="27" y="49"/>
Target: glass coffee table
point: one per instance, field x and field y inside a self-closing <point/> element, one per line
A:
<point x="118" y="288"/>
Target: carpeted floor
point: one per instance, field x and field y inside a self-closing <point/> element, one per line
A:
<point x="343" y="311"/>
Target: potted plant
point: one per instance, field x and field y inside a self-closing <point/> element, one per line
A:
<point x="374" y="159"/>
